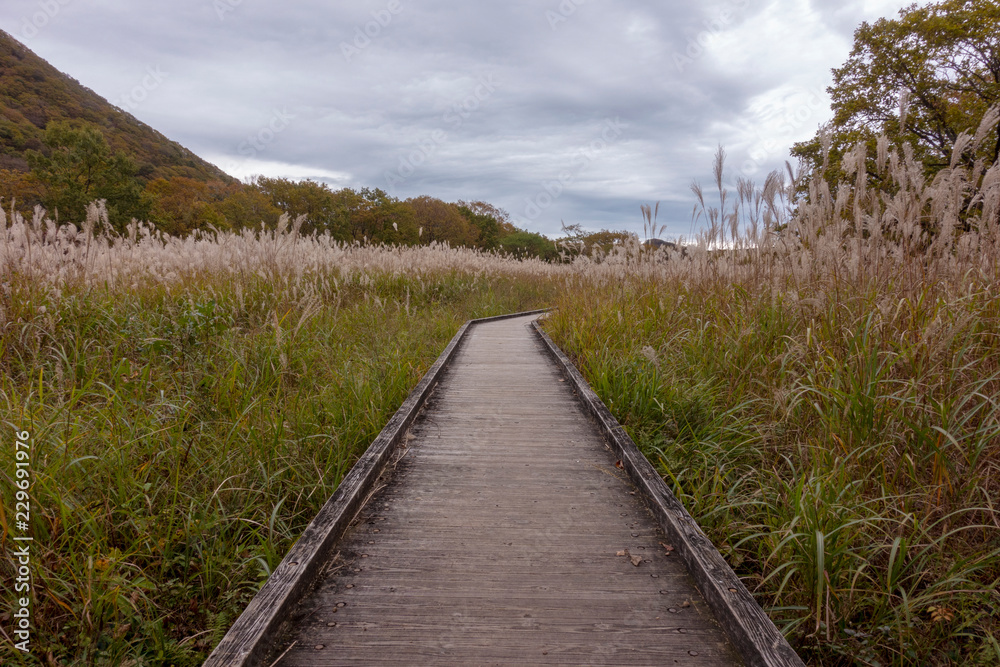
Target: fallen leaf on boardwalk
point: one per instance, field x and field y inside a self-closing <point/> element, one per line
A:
<point x="636" y="560"/>
<point x="623" y="552"/>
<point x="669" y="549"/>
<point x="618" y="464"/>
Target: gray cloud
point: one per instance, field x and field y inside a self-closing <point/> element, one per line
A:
<point x="505" y="102"/>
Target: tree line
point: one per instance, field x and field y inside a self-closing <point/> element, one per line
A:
<point x="925" y="84"/>
<point x="77" y="166"/>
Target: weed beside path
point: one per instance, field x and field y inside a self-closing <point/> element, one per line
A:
<point x="190" y="414"/>
<point x="844" y="459"/>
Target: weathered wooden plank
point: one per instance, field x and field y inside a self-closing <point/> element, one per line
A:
<point x="748" y="627"/>
<point x="497" y="539"/>
<point x="251" y="638"/>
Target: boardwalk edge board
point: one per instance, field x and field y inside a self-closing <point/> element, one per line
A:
<point x="251" y="639"/>
<point x="751" y="631"/>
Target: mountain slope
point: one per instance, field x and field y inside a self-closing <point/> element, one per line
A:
<point x="33" y="93"/>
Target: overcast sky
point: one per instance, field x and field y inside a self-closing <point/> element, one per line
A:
<point x="572" y="110"/>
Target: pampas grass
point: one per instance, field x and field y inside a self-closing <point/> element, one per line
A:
<point x="815" y="374"/>
<point x="817" y="377"/>
<point x="193" y="401"/>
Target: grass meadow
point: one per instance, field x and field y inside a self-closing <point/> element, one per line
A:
<point x="821" y="389"/>
<point x="816" y="376"/>
<point x="191" y="405"/>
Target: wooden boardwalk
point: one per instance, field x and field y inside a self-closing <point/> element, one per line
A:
<point x="505" y="533"/>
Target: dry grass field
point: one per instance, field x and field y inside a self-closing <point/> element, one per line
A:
<point x="823" y="394"/>
<point x="816" y="376"/>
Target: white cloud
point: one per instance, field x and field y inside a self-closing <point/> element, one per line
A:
<point x="747" y="68"/>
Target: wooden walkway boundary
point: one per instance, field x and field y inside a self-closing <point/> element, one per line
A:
<point x="756" y="638"/>
<point x="428" y="571"/>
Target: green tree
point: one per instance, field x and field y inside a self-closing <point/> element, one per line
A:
<point x="77" y="167"/>
<point x="245" y="206"/>
<point x="501" y="215"/>
<point x="324" y="210"/>
<point x="20" y="191"/>
<point x="921" y="79"/>
<point x="607" y="240"/>
<point x="181" y="205"/>
<point x="578" y="241"/>
<point x="487" y="228"/>
<point x="377" y="217"/>
<point x="442" y="222"/>
<point x="523" y="244"/>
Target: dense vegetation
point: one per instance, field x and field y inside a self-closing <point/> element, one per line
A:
<point x="824" y="396"/>
<point x="62" y="147"/>
<point x="193" y="402"/>
<point x="34" y="94"/>
<point x="816" y="376"/>
<point x="919" y="81"/>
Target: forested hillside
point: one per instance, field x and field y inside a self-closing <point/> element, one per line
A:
<point x="33" y="94"/>
<point x="62" y="147"/>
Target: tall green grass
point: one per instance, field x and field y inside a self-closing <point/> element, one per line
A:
<point x="821" y="388"/>
<point x="846" y="466"/>
<point x="819" y="383"/>
<point x="185" y="432"/>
